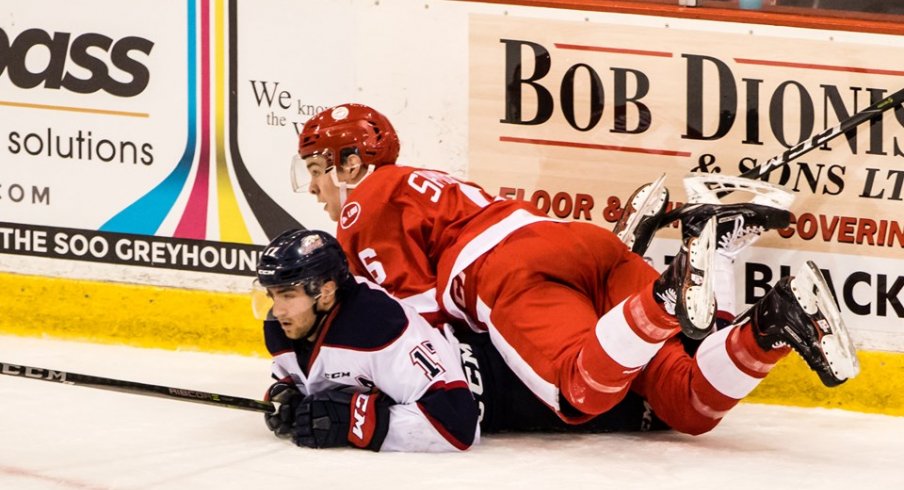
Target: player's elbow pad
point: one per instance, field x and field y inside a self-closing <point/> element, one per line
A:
<point x="454" y="413"/>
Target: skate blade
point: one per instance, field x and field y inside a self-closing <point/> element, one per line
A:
<point x="705" y="188"/>
<point x="646" y="202"/>
<point x="814" y="295"/>
<point x="699" y="298"/>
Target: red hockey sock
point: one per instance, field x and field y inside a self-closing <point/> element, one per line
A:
<point x="648" y="318"/>
<point x="749" y="356"/>
<point x="624" y="340"/>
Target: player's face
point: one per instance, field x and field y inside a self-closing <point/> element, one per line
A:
<point x="294" y="309"/>
<point x="322" y="185"/>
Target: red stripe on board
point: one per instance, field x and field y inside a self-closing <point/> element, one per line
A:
<point x="591" y="146"/>
<point x="193" y="223"/>
<point x="641" y="52"/>
<point x="813" y="66"/>
<point x="65" y="482"/>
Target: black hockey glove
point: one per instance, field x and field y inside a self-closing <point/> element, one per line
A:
<point x="287" y="398"/>
<point x="338" y="418"/>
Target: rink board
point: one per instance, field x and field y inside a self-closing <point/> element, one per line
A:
<point x="176" y="319"/>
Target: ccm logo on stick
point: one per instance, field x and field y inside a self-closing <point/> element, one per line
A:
<point x="30" y="372"/>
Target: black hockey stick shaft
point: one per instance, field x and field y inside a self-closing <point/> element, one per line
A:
<point x="871" y="112"/>
<point x="874" y="111"/>
<point x="133" y="387"/>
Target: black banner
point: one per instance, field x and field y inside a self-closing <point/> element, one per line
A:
<point x="127" y="249"/>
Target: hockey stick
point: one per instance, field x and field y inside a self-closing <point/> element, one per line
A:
<point x="791" y="154"/>
<point x="135" y="388"/>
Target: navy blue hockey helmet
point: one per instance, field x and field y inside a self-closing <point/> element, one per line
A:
<point x="302" y="257"/>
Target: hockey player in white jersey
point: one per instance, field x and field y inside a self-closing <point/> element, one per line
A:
<point x="354" y="367"/>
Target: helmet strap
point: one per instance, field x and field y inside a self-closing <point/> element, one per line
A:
<point x="344" y="187"/>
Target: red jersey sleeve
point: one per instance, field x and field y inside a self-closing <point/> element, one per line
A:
<point x="386" y="234"/>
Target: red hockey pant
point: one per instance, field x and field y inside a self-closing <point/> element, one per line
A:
<point x="545" y="289"/>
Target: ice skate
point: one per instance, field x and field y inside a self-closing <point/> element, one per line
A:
<point x="642" y="215"/>
<point x="738" y="225"/>
<point x="801" y="312"/>
<point x="686" y="287"/>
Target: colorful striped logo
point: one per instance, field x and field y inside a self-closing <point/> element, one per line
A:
<point x="146" y="214"/>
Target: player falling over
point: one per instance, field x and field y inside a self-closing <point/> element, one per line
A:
<point x="578" y="318"/>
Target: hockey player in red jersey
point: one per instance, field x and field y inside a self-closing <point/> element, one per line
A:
<point x="354" y="367"/>
<point x="575" y="315"/>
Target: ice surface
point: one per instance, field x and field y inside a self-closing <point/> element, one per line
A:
<point x="64" y="437"/>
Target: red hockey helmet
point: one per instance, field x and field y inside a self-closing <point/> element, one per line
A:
<point x="350" y="128"/>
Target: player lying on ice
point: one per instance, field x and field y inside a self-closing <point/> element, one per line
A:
<point x="354" y="367"/>
<point x="582" y="322"/>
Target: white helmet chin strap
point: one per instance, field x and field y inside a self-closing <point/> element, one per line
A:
<point x="344" y="187"/>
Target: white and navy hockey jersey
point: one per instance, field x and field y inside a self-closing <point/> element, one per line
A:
<point x="370" y="341"/>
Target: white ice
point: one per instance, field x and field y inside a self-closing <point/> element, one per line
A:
<point x="54" y="436"/>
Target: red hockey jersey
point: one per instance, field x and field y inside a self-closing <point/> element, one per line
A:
<point x="442" y="220"/>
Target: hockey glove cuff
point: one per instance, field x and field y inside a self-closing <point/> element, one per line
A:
<point x="337" y="418"/>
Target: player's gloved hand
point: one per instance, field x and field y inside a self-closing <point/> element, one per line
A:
<point x="338" y="418"/>
<point x="286" y="397"/>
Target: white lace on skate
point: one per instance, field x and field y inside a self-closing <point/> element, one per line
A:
<point x="705" y="188"/>
<point x="669" y="297"/>
<point x="699" y="297"/>
<point x="646" y="202"/>
<point x="740" y="237"/>
<point x="815" y="297"/>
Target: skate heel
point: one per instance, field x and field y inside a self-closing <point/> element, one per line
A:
<point x="696" y="313"/>
<point x="642" y="215"/>
<point x="815" y="298"/>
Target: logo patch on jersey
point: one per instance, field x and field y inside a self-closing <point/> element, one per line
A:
<point x="457" y="290"/>
<point x="349" y="215"/>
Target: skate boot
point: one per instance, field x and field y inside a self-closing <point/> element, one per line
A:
<point x="685" y="289"/>
<point x="801" y="312"/>
<point x="642" y="215"/>
<point x="737" y="225"/>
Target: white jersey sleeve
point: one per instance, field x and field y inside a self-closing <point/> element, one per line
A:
<point x="422" y="372"/>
